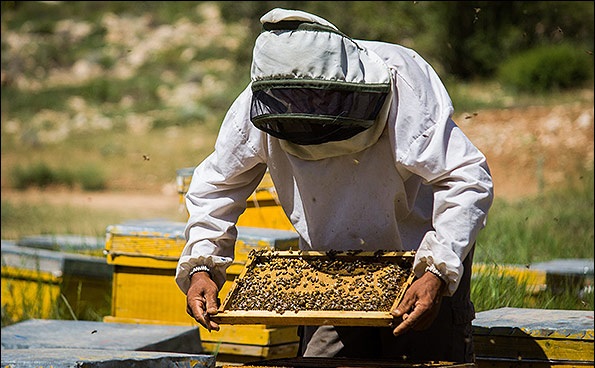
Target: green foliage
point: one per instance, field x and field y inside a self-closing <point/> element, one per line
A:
<point x="46" y="14"/>
<point x="546" y="68"/>
<point x="91" y="178"/>
<point x="471" y="38"/>
<point x="41" y="175"/>
<point x="33" y="298"/>
<point x="60" y="309"/>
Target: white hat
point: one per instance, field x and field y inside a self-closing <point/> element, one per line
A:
<point x="302" y="45"/>
<point x="314" y="86"/>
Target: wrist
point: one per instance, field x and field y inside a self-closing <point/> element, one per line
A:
<point x="197" y="269"/>
<point x="436" y="272"/>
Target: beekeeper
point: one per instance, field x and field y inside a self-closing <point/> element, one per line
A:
<point x="361" y="146"/>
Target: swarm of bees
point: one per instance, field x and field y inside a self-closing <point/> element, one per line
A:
<point x="336" y="281"/>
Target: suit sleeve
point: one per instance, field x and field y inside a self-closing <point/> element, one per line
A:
<point x="217" y="194"/>
<point x="430" y="145"/>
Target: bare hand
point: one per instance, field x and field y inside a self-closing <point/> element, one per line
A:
<point x="201" y="300"/>
<point x="420" y="304"/>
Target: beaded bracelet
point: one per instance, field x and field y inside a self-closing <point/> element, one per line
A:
<point x="196" y="269"/>
<point x="432" y="268"/>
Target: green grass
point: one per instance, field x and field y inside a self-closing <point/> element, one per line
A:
<point x="556" y="224"/>
<point x="492" y="289"/>
<point x="21" y="219"/>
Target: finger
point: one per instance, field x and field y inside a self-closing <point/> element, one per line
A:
<point x="212" y="304"/>
<point x="404" y="306"/>
<point x="408" y="322"/>
<point x="198" y="312"/>
<point x="207" y="320"/>
<point x="205" y="308"/>
<point x="402" y="327"/>
<point x="210" y="324"/>
<point x="189" y="311"/>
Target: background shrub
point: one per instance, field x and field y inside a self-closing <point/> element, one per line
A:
<point x="37" y="175"/>
<point x="547" y="68"/>
<point x="91" y="178"/>
<point x="41" y="175"/>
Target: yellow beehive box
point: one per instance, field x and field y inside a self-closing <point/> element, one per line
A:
<point x="534" y="280"/>
<point x="39" y="283"/>
<point x="263" y="209"/>
<point x="68" y="243"/>
<point x="145" y="254"/>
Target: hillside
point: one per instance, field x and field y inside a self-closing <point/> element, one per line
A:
<point x="136" y="98"/>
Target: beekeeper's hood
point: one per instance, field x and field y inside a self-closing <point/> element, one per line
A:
<point x="316" y="89"/>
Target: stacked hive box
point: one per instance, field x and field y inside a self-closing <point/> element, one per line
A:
<point x="40" y="283"/>
<point x="145" y="254"/>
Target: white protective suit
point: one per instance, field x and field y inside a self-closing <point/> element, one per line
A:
<point x="419" y="185"/>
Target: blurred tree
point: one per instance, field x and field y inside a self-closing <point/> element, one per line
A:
<point x="479" y="35"/>
<point x="467" y="39"/>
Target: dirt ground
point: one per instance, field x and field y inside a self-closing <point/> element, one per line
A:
<point x="528" y="150"/>
<point x="535" y="148"/>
